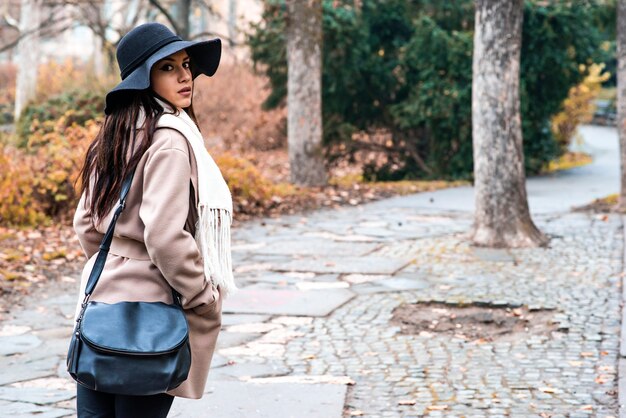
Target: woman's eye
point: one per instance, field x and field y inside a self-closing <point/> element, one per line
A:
<point x="186" y="64"/>
<point x="167" y="67"/>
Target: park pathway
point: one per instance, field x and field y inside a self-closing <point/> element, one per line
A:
<point x="312" y="332"/>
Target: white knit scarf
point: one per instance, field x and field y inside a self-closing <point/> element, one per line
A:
<point x="215" y="205"/>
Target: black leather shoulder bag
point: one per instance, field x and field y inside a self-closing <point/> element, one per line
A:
<point x="128" y="348"/>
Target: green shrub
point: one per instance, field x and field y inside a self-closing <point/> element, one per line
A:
<point x="405" y="67"/>
<point x="79" y="107"/>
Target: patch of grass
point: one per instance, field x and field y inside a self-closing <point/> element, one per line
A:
<point x="605" y="204"/>
<point x="568" y="161"/>
<point x="400" y="187"/>
<point x="414" y="186"/>
<point x="611" y="199"/>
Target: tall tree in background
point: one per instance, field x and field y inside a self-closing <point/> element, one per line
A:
<point x="502" y="217"/>
<point x="304" y="92"/>
<point x="27" y="54"/>
<point x="232" y="21"/>
<point x="621" y="97"/>
<point x="177" y="15"/>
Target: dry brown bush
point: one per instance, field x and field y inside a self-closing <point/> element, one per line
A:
<point x="228" y="107"/>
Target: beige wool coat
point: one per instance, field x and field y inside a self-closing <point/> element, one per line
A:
<point x="154" y="247"/>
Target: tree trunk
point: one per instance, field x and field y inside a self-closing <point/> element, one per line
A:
<point x="99" y="66"/>
<point x="177" y="14"/>
<point x="27" y="55"/>
<point x="183" y="8"/>
<point x="502" y="217"/>
<point x="232" y="22"/>
<point x="621" y="97"/>
<point x="304" y="95"/>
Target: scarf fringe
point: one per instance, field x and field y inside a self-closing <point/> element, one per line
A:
<point x="213" y="239"/>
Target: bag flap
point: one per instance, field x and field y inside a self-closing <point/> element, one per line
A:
<point x="134" y="327"/>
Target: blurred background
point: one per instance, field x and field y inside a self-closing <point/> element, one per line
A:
<point x="396" y="94"/>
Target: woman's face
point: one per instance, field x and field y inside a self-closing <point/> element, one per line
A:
<point x="171" y="79"/>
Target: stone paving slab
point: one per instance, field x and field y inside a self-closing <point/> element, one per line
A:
<point x="234" y="319"/>
<point x="18" y="344"/>
<point x="226" y="399"/>
<point x="247" y="371"/>
<point x="24" y="409"/>
<point x="366" y="265"/>
<point x="229" y="339"/>
<point x="315" y="246"/>
<point x="39" y="396"/>
<point x="286" y="302"/>
<point x="27" y="371"/>
<point x="404" y="283"/>
<point x="290" y="278"/>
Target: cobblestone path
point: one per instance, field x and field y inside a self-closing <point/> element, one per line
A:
<point x="569" y="372"/>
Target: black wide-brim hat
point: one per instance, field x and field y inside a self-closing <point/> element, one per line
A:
<point x="146" y="44"/>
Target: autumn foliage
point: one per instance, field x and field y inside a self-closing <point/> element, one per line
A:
<point x="579" y="106"/>
<point x="39" y="164"/>
<point x="37" y="182"/>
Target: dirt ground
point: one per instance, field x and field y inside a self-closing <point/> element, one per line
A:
<point x="472" y="321"/>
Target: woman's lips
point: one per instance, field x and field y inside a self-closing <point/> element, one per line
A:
<point x="185" y="92"/>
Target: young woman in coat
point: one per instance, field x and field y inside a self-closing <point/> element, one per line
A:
<point x="175" y="229"/>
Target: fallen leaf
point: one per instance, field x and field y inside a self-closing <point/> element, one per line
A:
<point x="547" y="390"/>
<point x="601" y="379"/>
<point x="407" y="402"/>
<point x="437" y="407"/>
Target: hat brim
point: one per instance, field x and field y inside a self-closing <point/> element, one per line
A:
<point x="205" y="58"/>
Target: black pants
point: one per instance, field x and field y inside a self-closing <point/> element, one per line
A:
<point x="94" y="404"/>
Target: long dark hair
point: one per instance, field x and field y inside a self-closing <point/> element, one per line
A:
<point x="106" y="157"/>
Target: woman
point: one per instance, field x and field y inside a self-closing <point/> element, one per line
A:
<point x="175" y="229"/>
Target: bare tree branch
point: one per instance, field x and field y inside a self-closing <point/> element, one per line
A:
<point x="44" y="28"/>
<point x="167" y="15"/>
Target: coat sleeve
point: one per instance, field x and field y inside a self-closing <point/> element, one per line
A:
<point x="164" y="210"/>
<point x="88" y="237"/>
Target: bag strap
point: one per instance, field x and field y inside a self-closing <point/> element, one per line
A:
<point x="105" y="245"/>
